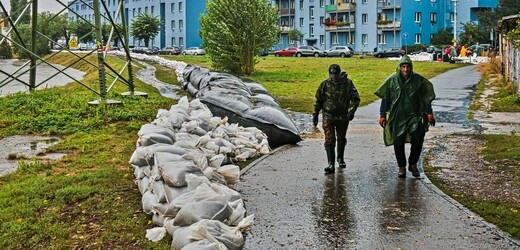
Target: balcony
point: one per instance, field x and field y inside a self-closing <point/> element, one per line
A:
<point x="340" y="7"/>
<point x="286" y="29"/>
<point x="286" y="12"/>
<point x="341" y="28"/>
<point x="389" y="25"/>
<point x="389" y="4"/>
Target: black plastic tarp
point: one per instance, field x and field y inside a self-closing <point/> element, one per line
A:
<point x="243" y="101"/>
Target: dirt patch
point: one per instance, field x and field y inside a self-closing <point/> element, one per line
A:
<point x="459" y="166"/>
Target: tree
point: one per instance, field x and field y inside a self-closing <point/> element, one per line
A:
<point x="294" y="35"/>
<point x="514" y="33"/>
<point x="17" y="7"/>
<point x="473" y="33"/>
<point x="5" y="50"/>
<point x="489" y="18"/>
<point x="144" y="27"/>
<point x="443" y="37"/>
<point x="235" y="32"/>
<point x="83" y="30"/>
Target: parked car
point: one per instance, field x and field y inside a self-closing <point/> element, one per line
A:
<point x="82" y="46"/>
<point x="138" y="50"/>
<point x="194" y="51"/>
<point x="289" y="51"/>
<point x="391" y="52"/>
<point x="341" y="51"/>
<point x="479" y="48"/>
<point x="309" y="51"/>
<point x="173" y="50"/>
<point x="152" y="51"/>
<point x="429" y="49"/>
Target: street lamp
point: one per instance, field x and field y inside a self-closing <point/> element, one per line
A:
<point x="455" y="22"/>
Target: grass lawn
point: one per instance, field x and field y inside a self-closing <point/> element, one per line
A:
<point x="89" y="199"/>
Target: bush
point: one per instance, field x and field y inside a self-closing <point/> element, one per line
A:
<point x="5" y="51"/>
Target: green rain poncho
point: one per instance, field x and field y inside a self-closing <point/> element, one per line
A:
<point x="407" y="100"/>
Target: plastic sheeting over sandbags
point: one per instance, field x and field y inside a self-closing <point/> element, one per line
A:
<point x="243" y="101"/>
<point x="184" y="169"/>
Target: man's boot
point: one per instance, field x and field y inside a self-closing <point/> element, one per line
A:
<point x="341" y="153"/>
<point x="402" y="172"/>
<point x="330" y="158"/>
<point x="415" y="172"/>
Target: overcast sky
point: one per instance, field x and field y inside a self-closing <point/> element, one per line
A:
<point x="43" y="5"/>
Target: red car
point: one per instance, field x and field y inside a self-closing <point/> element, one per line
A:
<point x="289" y="51"/>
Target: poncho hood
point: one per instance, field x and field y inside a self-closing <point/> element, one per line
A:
<point x="404" y="60"/>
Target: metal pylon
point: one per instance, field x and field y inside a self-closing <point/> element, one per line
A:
<point x="28" y="46"/>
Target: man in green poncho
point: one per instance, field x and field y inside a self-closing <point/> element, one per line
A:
<point x="406" y="113"/>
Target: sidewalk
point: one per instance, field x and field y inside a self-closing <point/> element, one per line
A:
<point x="364" y="206"/>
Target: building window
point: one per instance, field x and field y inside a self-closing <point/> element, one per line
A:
<point x="433" y="17"/>
<point x="364" y="2"/>
<point x="433" y="1"/>
<point x="173" y="7"/>
<point x="311" y="30"/>
<point x="181" y="25"/>
<point x="351" y="38"/>
<point x="173" y="24"/>
<point x="311" y="13"/>
<point x="417" y="17"/>
<point x="301" y="4"/>
<point x="301" y="21"/>
<point x="152" y="10"/>
<point x="364" y="18"/>
<point x="364" y="38"/>
<point x="452" y="17"/>
<point x="173" y="41"/>
<point x="381" y="39"/>
<point x="322" y="39"/>
<point x="145" y="9"/>
<point x="322" y="3"/>
<point x="181" y="42"/>
<point x="417" y="38"/>
<point x="322" y="19"/>
<point x="180" y="6"/>
<point x="335" y="38"/>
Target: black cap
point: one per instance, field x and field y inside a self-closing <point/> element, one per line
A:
<point x="334" y="70"/>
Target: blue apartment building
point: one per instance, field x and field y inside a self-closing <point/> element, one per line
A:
<point x="364" y="25"/>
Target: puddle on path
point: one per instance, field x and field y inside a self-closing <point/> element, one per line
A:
<point x="17" y="147"/>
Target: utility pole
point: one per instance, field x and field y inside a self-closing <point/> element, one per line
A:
<point x="455" y="23"/>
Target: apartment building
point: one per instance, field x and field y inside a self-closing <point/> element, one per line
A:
<point x="365" y="25"/>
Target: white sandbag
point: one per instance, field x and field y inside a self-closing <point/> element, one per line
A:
<point x="193" y="127"/>
<point x="174" y="173"/>
<point x="183" y="135"/>
<point x="216" y="161"/>
<point x="155" y="234"/>
<point x="216" y="177"/>
<point x="174" y="192"/>
<point x="239" y="212"/>
<point x="158" y="190"/>
<point x="152" y="128"/>
<point x="204" y="245"/>
<point x="162" y="157"/>
<point x="147" y="153"/>
<point x="176" y="120"/>
<point x="244" y="156"/>
<point x="203" y="140"/>
<point x="196" y="104"/>
<point x="141" y="171"/>
<point x="202" y="192"/>
<point x="231" y="173"/>
<point x="136" y="160"/>
<point x="148" y="200"/>
<point x="168" y="224"/>
<point x="143" y="184"/>
<point x="157" y="219"/>
<point x="154" y="138"/>
<point x="215" y="208"/>
<point x="194" y="181"/>
<point x="223" y="190"/>
<point x="197" y="157"/>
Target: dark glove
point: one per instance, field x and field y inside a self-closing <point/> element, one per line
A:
<point x="431" y="119"/>
<point x="382" y="121"/>
<point x="350" y="115"/>
<point x="315" y="120"/>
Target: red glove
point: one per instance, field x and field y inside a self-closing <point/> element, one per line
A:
<point x="382" y="121"/>
<point x="431" y="119"/>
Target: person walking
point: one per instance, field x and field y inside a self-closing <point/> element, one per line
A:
<point x="338" y="99"/>
<point x="406" y="113"/>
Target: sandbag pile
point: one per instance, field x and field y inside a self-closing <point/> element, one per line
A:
<point x="184" y="165"/>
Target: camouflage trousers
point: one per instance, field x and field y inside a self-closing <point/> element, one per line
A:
<point x="335" y="131"/>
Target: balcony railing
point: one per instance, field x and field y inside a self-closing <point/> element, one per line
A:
<point x="347" y="27"/>
<point x="284" y="12"/>
<point x="390" y="26"/>
<point x="389" y="4"/>
<point x="285" y="29"/>
<point x="340" y="7"/>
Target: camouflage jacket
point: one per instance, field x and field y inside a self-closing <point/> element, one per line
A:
<point x="337" y="99"/>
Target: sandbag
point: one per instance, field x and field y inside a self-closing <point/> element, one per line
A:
<point x="174" y="173"/>
<point x="214" y="209"/>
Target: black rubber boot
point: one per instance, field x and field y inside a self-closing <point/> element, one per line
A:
<point x="330" y="158"/>
<point x="341" y="153"/>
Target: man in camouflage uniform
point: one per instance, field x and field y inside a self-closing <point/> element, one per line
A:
<point x="338" y="98"/>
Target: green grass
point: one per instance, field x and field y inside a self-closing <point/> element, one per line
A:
<point x="89" y="199"/>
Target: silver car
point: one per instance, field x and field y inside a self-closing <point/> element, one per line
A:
<point x="309" y="51"/>
<point x="341" y="51"/>
<point x="194" y="51"/>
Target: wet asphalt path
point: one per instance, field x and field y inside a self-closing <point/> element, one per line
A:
<point x="364" y="206"/>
